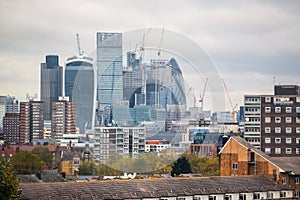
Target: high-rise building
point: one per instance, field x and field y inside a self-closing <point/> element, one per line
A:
<point x="252" y="112"/>
<point x="63" y="118"/>
<point x="80" y="88"/>
<point x="11" y="126"/>
<point x="2" y="113"/>
<point x="110" y="74"/>
<point x="31" y="121"/>
<point x="123" y="141"/>
<point x="272" y="122"/>
<point x="51" y="83"/>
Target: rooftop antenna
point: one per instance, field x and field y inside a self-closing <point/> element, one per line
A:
<point x="80" y="52"/>
<point x="161" y="41"/>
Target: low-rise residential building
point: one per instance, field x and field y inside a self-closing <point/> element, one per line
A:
<point x="239" y="158"/>
<point x="205" y="188"/>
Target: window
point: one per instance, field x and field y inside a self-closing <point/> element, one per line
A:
<point x="297" y="99"/>
<point x="297" y="194"/>
<point x="288" y="140"/>
<point x="277" y="109"/>
<point x="235" y="166"/>
<point x="268" y="99"/>
<point x="277" y="119"/>
<point x="297" y="180"/>
<point x="267" y="119"/>
<point x="283" y="180"/>
<point x="267" y="140"/>
<point x="288" y="150"/>
<point x="267" y="150"/>
<point x="277" y="150"/>
<point x="288" y="109"/>
<point x="267" y="109"/>
<point x="288" y="130"/>
<point x="297" y="109"/>
<point x="297" y="129"/>
<point x="277" y="140"/>
<point x="297" y="150"/>
<point x="288" y="120"/>
<point x="277" y="130"/>
<point x="298" y="120"/>
<point x="267" y="130"/>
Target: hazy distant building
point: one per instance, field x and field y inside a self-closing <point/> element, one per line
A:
<point x="31" y="121"/>
<point x="109" y="74"/>
<point x="80" y="88"/>
<point x="11" y="105"/>
<point x="51" y="83"/>
<point x="2" y="113"/>
<point x="63" y="118"/>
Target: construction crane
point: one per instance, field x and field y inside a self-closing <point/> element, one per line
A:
<point x="201" y="100"/>
<point x="80" y="52"/>
<point x="233" y="107"/>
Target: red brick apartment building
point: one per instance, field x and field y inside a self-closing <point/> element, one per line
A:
<point x="239" y="157"/>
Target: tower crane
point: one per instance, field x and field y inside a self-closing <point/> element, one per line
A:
<point x="201" y="100"/>
<point x="233" y="107"/>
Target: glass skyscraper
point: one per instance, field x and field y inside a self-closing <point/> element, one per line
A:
<point x="80" y="88"/>
<point x="109" y="74"/>
<point x="51" y="83"/>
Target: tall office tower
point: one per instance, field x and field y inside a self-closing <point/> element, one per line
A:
<point x="2" y="113"/>
<point x="80" y="88"/>
<point x="31" y="121"/>
<point x="12" y="105"/>
<point x="51" y="83"/>
<point x="11" y="125"/>
<point x="110" y="73"/>
<point x="272" y="122"/>
<point x="63" y="118"/>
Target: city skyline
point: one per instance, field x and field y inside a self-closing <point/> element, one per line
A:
<point x="250" y="43"/>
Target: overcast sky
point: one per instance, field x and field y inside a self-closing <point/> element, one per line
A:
<point x="249" y="41"/>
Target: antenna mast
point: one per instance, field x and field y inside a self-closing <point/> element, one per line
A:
<point x="80" y="52"/>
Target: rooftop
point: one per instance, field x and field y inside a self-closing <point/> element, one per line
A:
<point x="149" y="188"/>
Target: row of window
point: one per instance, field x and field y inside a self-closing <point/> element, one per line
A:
<point x="287" y="120"/>
<point x="278" y="130"/>
<point x="278" y="109"/>
<point x="278" y="140"/>
<point x="278" y="150"/>
<point x="297" y="180"/>
<point x="269" y="99"/>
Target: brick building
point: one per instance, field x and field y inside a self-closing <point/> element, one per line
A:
<point x="238" y="158"/>
<point x="272" y="122"/>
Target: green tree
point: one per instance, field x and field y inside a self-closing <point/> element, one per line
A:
<point x="86" y="168"/>
<point x="25" y="162"/>
<point x="181" y="166"/>
<point x="9" y="181"/>
<point x="45" y="155"/>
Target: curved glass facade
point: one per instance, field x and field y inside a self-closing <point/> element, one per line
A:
<point x="80" y="88"/>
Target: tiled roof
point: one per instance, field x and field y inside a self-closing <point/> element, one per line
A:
<point x="147" y="188"/>
<point x="46" y="176"/>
